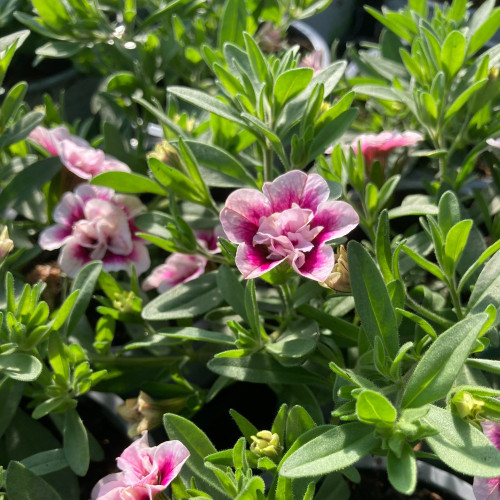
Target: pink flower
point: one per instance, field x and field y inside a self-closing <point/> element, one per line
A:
<point x="314" y="60"/>
<point x="94" y="223"/>
<point x="290" y="221"/>
<point x="178" y="268"/>
<point x="76" y="154"/>
<point x="493" y="142"/>
<point x="378" y="146"/>
<point x="145" y="471"/>
<point x="488" y="488"/>
<point x="181" y="268"/>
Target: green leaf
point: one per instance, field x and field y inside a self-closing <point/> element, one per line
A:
<point x="373" y="407"/>
<point x="456" y="239"/>
<point x="244" y="425"/>
<point x="251" y="489"/>
<point x="22" y="484"/>
<point x="197" y="334"/>
<point x="46" y="462"/>
<point x="372" y="300"/>
<point x="453" y="53"/>
<point x="12" y="102"/>
<point x="186" y="300"/>
<point x="436" y="372"/>
<point x="206" y="102"/>
<point x="330" y="132"/>
<point x="85" y="281"/>
<point x="20" y="366"/>
<point x="232" y="23"/>
<point x="461" y="446"/>
<point x="383" y="247"/>
<point x="424" y="263"/>
<point x="76" y="443"/>
<point x="402" y="470"/>
<point x="28" y="181"/>
<point x="176" y="181"/>
<point x="128" y="182"/>
<point x="251" y="308"/>
<point x="484" y="32"/>
<point x="291" y="83"/>
<point x="298" y="421"/>
<point x="58" y="357"/>
<point x="464" y="97"/>
<point x="410" y="209"/>
<point x="20" y="129"/>
<point x="64" y="311"/>
<point x="487" y="287"/>
<point x="333" y="450"/>
<point x="199" y="447"/>
<point x="11" y="392"/>
<point x="449" y="211"/>
<point x="257" y="60"/>
<point x="232" y="290"/>
<point x="262" y="369"/>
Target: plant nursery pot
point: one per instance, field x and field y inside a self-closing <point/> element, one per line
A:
<point x="336" y="21"/>
<point x="433" y="483"/>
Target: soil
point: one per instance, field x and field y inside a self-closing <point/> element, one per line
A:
<point x="375" y="486"/>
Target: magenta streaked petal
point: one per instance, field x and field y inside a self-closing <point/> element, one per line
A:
<point x="139" y="257"/>
<point x="249" y="203"/>
<point x="318" y="263"/>
<point x="50" y="139"/>
<point x="252" y="262"/>
<point x="178" y="268"/>
<point x="315" y="192"/>
<point x="285" y="190"/>
<point x="237" y="228"/>
<point x="131" y="457"/>
<point x="73" y="257"/>
<point x="54" y="237"/>
<point x="109" y="487"/>
<point x="69" y="210"/>
<point x="337" y="219"/>
<point x="86" y="192"/>
<point x="170" y="457"/>
<point x="486" y="489"/>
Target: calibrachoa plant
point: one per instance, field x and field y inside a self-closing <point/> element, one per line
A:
<point x="331" y="237"/>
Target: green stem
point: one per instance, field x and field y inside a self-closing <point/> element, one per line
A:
<point x="267" y="162"/>
<point x="455" y="299"/>
<point x="133" y="360"/>
<point x="428" y="314"/>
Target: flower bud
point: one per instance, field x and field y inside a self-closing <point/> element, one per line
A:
<point x="339" y="280"/>
<point x="167" y="154"/>
<point x="266" y="444"/>
<point x="144" y="413"/>
<point x="6" y="244"/>
<point x="126" y="302"/>
<point x="467" y="406"/>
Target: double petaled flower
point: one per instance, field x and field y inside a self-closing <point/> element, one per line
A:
<point x="94" y="223"/>
<point x="76" y="154"/>
<point x="290" y="221"/>
<point x="145" y="471"/>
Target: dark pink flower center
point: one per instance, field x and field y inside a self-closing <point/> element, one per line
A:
<point x="287" y="235"/>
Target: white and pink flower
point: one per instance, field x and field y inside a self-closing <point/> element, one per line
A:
<point x="378" y="146"/>
<point x="76" y="154"/>
<point x="291" y="221"/>
<point x="181" y="268"/>
<point x="94" y="223"/>
<point x="145" y="471"/>
<point x="489" y="488"/>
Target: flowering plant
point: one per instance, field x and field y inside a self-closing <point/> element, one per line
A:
<point x="327" y="236"/>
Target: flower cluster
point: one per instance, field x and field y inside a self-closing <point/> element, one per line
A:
<point x="94" y="223"/>
<point x="145" y="471"/>
<point x="76" y="154"/>
<point x="291" y="221"/>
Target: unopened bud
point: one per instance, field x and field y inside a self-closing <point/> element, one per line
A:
<point x="266" y="444"/>
<point x="144" y="413"/>
<point x="6" y="244"/>
<point x="126" y="302"/>
<point x="339" y="279"/>
<point x="493" y="74"/>
<point x="467" y="406"/>
<point x="167" y="154"/>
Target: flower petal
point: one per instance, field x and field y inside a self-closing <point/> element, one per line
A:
<point x="54" y="237"/>
<point x="139" y="257"/>
<point x="109" y="487"/>
<point x="240" y="217"/>
<point x="252" y="263"/>
<point x="318" y="264"/>
<point x="285" y="190"/>
<point x="486" y="489"/>
<point x="337" y="219"/>
<point x="169" y="458"/>
<point x="69" y="209"/>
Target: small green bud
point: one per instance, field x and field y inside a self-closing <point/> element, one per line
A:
<point x="467" y="406"/>
<point x="266" y="444"/>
